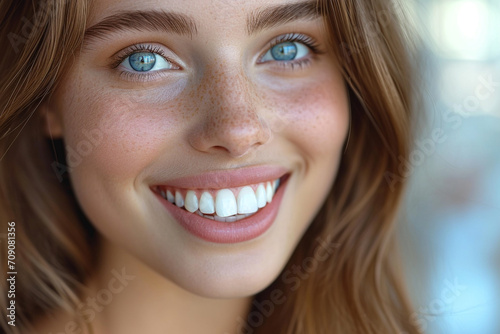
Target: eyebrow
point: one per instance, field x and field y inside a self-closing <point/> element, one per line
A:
<point x="172" y="22"/>
<point x="282" y="14"/>
<point x="142" y="20"/>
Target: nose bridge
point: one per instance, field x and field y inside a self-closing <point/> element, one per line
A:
<point x="232" y="119"/>
<point x="229" y="89"/>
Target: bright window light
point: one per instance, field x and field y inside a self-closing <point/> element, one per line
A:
<point x="465" y="29"/>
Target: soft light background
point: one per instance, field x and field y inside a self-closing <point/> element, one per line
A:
<point x="451" y="231"/>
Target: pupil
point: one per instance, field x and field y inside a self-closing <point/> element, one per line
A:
<point x="142" y="61"/>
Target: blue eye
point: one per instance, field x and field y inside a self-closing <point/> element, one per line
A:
<point x="146" y="62"/>
<point x="142" y="61"/>
<point x="286" y="51"/>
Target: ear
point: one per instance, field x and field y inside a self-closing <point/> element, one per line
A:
<point x="51" y="120"/>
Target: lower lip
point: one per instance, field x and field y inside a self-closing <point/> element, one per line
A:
<point x="226" y="233"/>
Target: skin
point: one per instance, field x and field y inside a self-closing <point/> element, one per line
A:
<point x="221" y="110"/>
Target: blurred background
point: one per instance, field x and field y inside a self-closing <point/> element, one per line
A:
<point x="450" y="235"/>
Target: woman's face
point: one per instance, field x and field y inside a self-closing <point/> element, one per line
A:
<point x="206" y="101"/>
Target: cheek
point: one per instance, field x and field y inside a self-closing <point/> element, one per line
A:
<point x="125" y="133"/>
<point x="315" y="119"/>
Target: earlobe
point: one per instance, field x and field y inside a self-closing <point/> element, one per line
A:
<point x="51" y="121"/>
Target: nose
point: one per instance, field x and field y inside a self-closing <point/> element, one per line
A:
<point x="231" y="120"/>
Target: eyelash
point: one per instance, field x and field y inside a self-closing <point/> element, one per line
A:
<point x="285" y="65"/>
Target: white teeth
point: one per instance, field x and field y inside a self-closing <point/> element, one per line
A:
<point x="261" y="196"/>
<point x="207" y="203"/>
<point x="247" y="202"/>
<point x="226" y="207"/>
<point x="191" y="201"/>
<point x="230" y="219"/>
<point x="170" y="197"/>
<point x="225" y="203"/>
<point x="179" y="201"/>
<point x="269" y="192"/>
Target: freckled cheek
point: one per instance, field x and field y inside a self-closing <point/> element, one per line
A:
<point x="125" y="137"/>
<point x="316" y="120"/>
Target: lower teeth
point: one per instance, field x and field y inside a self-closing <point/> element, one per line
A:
<point x="229" y="219"/>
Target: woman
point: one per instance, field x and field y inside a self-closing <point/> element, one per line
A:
<point x="203" y="166"/>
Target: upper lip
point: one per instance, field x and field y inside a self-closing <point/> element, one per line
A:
<point x="230" y="178"/>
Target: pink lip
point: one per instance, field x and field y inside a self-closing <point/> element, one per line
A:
<point x="224" y="232"/>
<point x="228" y="179"/>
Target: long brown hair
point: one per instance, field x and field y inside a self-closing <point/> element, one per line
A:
<point x="358" y="288"/>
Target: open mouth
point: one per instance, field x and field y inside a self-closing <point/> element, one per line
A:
<point x="226" y="206"/>
<point x="223" y="205"/>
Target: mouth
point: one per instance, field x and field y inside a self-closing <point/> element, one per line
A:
<point x="236" y="210"/>
<point x="224" y="205"/>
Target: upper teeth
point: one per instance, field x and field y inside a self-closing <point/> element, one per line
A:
<point x="227" y="202"/>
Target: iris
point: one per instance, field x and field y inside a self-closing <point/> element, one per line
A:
<point x="142" y="61"/>
<point x="284" y="51"/>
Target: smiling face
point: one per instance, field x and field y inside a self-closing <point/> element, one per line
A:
<point x="181" y="123"/>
